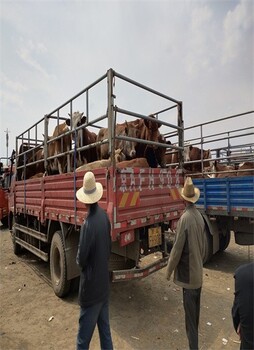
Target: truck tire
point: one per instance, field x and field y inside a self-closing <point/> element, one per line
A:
<point x="4" y="221"/>
<point x="208" y="246"/>
<point x="58" y="268"/>
<point x="17" y="249"/>
<point x="224" y="240"/>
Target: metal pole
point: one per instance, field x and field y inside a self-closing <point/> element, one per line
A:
<point x="7" y="144"/>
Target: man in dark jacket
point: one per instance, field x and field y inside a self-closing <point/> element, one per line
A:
<point x="93" y="254"/>
<point x="186" y="259"/>
<point x="242" y="310"/>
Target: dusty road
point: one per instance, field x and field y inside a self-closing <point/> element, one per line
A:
<point x="145" y="314"/>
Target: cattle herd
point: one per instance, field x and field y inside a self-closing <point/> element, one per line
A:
<point x="137" y="143"/>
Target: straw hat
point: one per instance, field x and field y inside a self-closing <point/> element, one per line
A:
<point x="91" y="192"/>
<point x="189" y="192"/>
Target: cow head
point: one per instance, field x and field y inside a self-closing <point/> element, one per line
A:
<point x="129" y="147"/>
<point x="77" y="118"/>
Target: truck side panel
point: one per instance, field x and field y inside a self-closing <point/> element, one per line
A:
<point x="233" y="196"/>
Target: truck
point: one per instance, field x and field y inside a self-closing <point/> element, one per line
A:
<point x="6" y="172"/>
<point x="227" y="200"/>
<point x="143" y="204"/>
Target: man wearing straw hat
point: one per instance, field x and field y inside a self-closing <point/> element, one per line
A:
<point x="186" y="259"/>
<point x="93" y="254"/>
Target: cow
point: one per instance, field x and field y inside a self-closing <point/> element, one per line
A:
<point x="83" y="137"/>
<point x="128" y="147"/>
<point x="149" y="131"/>
<point x="103" y="163"/>
<point x="198" y="155"/>
<point x="245" y="169"/>
<point x="37" y="158"/>
<point x="221" y="170"/>
<point x="26" y="155"/>
<point x="133" y="163"/>
<point x="58" y="165"/>
<point x="173" y="156"/>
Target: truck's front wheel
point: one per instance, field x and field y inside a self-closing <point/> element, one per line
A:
<point x="58" y="268"/>
<point x="16" y="247"/>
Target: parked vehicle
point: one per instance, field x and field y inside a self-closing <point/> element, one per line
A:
<point x="142" y="203"/>
<point x="227" y="184"/>
<point x="6" y="172"/>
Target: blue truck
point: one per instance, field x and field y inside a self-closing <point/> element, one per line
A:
<point x="226" y="199"/>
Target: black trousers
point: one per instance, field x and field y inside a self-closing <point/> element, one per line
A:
<point x="191" y="303"/>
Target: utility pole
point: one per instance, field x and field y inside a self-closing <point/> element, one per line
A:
<point x="7" y="144"/>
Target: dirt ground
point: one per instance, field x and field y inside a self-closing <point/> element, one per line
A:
<point x="145" y="314"/>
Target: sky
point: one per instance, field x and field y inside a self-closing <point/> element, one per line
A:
<point x="198" y="52"/>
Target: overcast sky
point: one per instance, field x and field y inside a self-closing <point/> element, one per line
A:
<point x="199" y="52"/>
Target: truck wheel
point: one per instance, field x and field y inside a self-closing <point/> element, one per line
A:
<point x="208" y="247"/>
<point x="58" y="268"/>
<point x="5" y="221"/>
<point x="17" y="249"/>
<point x="224" y="241"/>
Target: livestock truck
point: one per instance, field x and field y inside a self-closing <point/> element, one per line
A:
<point x="143" y="204"/>
<point x="6" y="172"/>
<point x="226" y="196"/>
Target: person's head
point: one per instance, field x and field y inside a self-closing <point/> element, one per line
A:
<point x="188" y="192"/>
<point x="91" y="191"/>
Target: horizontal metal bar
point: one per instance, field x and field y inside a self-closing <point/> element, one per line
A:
<point x="133" y="82"/>
<point x="218" y="120"/>
<point x="125" y="275"/>
<point x="36" y="234"/>
<point x="77" y="95"/>
<point x="44" y="256"/>
<point x="124" y="111"/>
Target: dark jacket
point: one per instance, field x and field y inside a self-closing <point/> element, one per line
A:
<point x="93" y="254"/>
<point x="242" y="310"/>
<point x="186" y="256"/>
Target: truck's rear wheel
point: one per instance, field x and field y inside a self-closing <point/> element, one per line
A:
<point x="58" y="268"/>
<point x="224" y="240"/>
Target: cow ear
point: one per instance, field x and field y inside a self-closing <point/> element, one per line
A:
<point x="190" y="147"/>
<point x="126" y="127"/>
<point x="147" y="123"/>
<point x="68" y="121"/>
<point x="83" y="119"/>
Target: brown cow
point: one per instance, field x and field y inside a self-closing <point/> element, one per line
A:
<point x="103" y="163"/>
<point x="84" y="137"/>
<point x="245" y="169"/>
<point x="128" y="147"/>
<point x="28" y="154"/>
<point x="149" y="131"/>
<point x="221" y="170"/>
<point x="55" y="147"/>
<point x="173" y="156"/>
<point x="196" y="154"/>
<point x="133" y="163"/>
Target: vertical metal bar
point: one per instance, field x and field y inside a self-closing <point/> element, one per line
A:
<point x="202" y="148"/>
<point x="46" y="122"/>
<point x="180" y="133"/>
<point x="110" y="112"/>
<point x="87" y="106"/>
